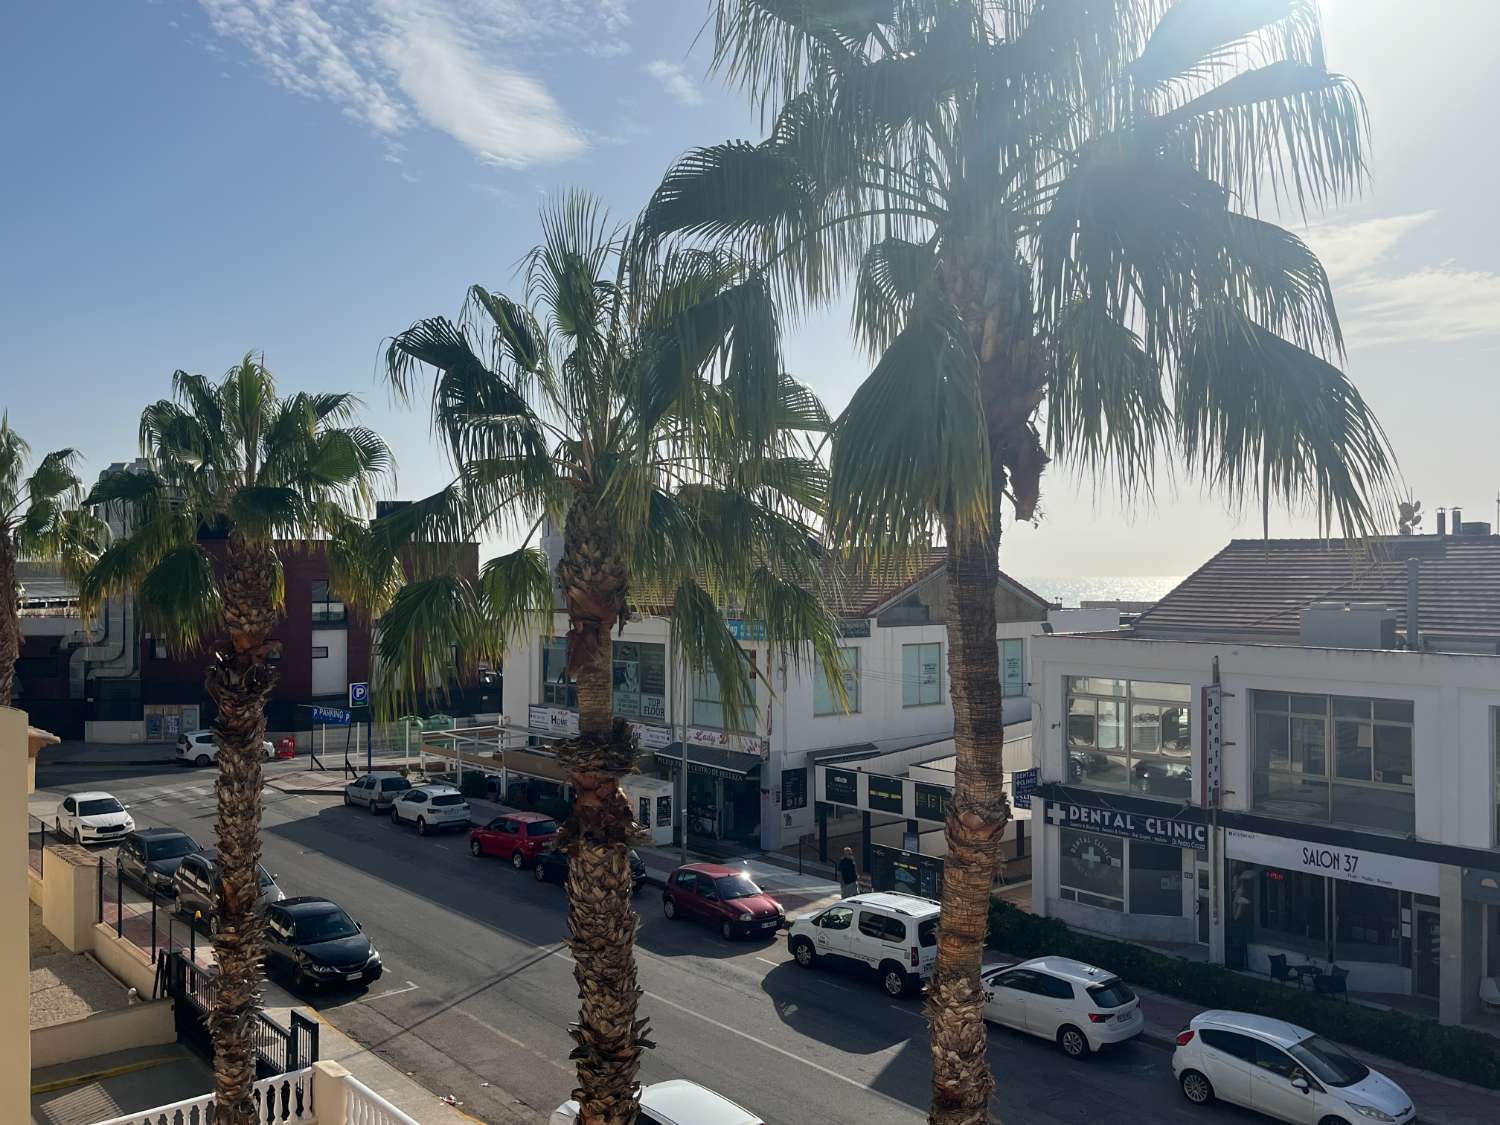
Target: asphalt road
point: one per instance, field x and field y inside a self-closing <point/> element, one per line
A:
<point x="478" y="988"/>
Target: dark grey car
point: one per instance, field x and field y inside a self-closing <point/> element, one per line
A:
<point x="197" y="881"/>
<point x="149" y="857"/>
<point x="375" y="791"/>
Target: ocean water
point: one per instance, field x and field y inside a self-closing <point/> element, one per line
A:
<point x="1118" y="587"/>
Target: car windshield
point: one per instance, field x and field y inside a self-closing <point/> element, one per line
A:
<point x="99" y="807"/>
<point x="541" y="828"/>
<point x="1111" y="994"/>
<point x="326" y="925"/>
<point x="443" y="800"/>
<point x="1328" y="1062"/>
<point x="927" y="933"/>
<point x="265" y="877"/>
<point x="396" y="783"/>
<point x="173" y="847"/>
<point x="736" y="886"/>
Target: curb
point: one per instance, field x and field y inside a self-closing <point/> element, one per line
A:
<point x="100" y="1075"/>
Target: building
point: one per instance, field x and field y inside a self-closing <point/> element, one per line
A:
<point x="1293" y="758"/>
<point x="757" y="788"/>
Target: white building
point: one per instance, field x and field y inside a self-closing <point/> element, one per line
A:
<point x="759" y="788"/>
<point x="1337" y="807"/>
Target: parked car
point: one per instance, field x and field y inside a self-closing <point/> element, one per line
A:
<point x="723" y="897"/>
<point x="1079" y="1007"/>
<point x="1282" y="1071"/>
<point x="150" y="857"/>
<point x="893" y="934"/>
<point x="675" y="1102"/>
<point x="93" y="818"/>
<point x="431" y="808"/>
<point x="200" y="748"/>
<point x="314" y="942"/>
<point x="197" y="884"/>
<point x="375" y="791"/>
<point x="518" y="837"/>
<point x="552" y="867"/>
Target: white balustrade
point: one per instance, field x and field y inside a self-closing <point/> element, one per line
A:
<point x="284" y="1098"/>
<point x="363" y="1106"/>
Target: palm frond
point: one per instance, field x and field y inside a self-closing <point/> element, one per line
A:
<point x="178" y="598"/>
<point x="516" y="594"/>
<point x="700" y="633"/>
<point x="891" y="275"/>
<point x="427" y="627"/>
<point x="1197" y="39"/>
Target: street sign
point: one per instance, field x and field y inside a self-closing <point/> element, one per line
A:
<point x="1022" y="786"/>
<point x="331" y="716"/>
<point x="359" y="695"/>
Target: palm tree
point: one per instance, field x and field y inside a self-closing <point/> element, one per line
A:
<point x="239" y="461"/>
<point x="1050" y="216"/>
<point x="39" y="519"/>
<point x="638" y="400"/>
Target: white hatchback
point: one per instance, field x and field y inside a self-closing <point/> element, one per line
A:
<point x="677" y="1102"/>
<point x="1282" y="1071"/>
<point x="431" y="808"/>
<point x="1078" y="1006"/>
<point x="93" y="818"/>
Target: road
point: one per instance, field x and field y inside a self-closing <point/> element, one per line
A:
<point x="478" y="988"/>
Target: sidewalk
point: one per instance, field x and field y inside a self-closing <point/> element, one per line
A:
<point x="76" y="753"/>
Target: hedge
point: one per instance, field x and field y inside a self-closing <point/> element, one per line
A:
<point x="1457" y="1052"/>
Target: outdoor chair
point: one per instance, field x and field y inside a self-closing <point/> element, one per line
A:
<point x="1335" y="982"/>
<point x="1279" y="969"/>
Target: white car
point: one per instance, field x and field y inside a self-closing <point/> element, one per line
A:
<point x="894" y="934"/>
<point x="677" y="1102"/>
<point x="1283" y="1071"/>
<point x="93" y="818"/>
<point x="1079" y="1007"/>
<point x="431" y="808"/>
<point x="199" y="748"/>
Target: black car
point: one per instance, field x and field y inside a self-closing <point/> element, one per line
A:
<point x="552" y="867"/>
<point x="150" y="857"/>
<point x="314" y="942"/>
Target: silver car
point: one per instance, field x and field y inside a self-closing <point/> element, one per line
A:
<point x="375" y="791"/>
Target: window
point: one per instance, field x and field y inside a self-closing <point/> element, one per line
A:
<point x="921" y="675"/>
<point x="1270" y="1057"/>
<point x="1054" y="988"/>
<point x="881" y="928"/>
<point x="326" y="609"/>
<point x="1155" y="879"/>
<point x="1111" y="994"/>
<point x="1231" y="1043"/>
<point x="640" y="680"/>
<point x="687" y="880"/>
<point x="1130" y="735"/>
<point x="548" y="827"/>
<point x="708" y="706"/>
<point x="836" y="918"/>
<point x="825" y="699"/>
<point x="557" y="686"/>
<point x="1022" y="980"/>
<point x="1093" y="869"/>
<point x="794" y="788"/>
<point x="663" y="811"/>
<point x="1013" y="667"/>
<point x="320" y="652"/>
<point x="1334" y="758"/>
<point x="1495" y="750"/>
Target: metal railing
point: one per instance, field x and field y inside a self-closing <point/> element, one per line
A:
<point x="286" y="1097"/>
<point x="193" y="988"/>
<point x="36" y="842"/>
<point x="147" y="920"/>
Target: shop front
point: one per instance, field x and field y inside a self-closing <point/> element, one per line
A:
<point x="723" y="790"/>
<point x="1316" y="907"/>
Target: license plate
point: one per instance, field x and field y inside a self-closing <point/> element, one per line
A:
<point x="353" y="976"/>
<point x="768" y="925"/>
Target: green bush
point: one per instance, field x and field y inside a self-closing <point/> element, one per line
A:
<point x="1458" y="1052"/>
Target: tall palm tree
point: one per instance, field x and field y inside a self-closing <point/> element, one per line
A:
<point x="39" y="519"/>
<point x="638" y="399"/>
<point x="239" y="461"/>
<point x="1050" y="216"/>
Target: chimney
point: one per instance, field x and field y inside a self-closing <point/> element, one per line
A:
<point x="1413" y="604"/>
<point x="1442" y="524"/>
<point x="1458" y="521"/>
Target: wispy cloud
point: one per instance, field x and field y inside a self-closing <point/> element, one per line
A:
<point x="464" y="67"/>
<point x="675" y="81"/>
<point x="1384" y="301"/>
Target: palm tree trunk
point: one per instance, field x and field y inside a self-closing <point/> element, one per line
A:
<point x="239" y="680"/>
<point x="598" y="833"/>
<point x="976" y="818"/>
<point x="10" y="620"/>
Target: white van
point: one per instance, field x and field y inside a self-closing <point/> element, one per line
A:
<point x="893" y="934"/>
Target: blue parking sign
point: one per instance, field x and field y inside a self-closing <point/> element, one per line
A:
<point x="359" y="695"/>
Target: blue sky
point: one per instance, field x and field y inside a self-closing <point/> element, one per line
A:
<point x="190" y="180"/>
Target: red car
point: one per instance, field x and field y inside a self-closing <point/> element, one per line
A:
<point x="723" y="897"/>
<point x="519" y="837"/>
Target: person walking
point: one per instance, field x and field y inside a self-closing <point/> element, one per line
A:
<point x="848" y="875"/>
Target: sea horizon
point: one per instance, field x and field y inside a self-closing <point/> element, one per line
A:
<point x="1071" y="591"/>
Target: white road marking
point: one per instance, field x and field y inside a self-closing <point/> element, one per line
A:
<point x="410" y="987"/>
<point x="513" y="1041"/>
<point x="907" y="1011"/>
<point x="831" y="984"/>
<point x="773" y="964"/>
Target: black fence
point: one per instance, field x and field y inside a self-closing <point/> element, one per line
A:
<point x="148" y="919"/>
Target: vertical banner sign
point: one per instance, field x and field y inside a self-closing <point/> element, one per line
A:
<point x="1213" y="745"/>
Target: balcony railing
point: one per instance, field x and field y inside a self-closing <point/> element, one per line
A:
<point x="287" y="1099"/>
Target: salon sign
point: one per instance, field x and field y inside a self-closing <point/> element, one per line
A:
<point x="1333" y="861"/>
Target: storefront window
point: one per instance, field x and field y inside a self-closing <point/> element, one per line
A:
<point x="1367" y="923"/>
<point x="1132" y="736"/>
<point x="1012" y="667"/>
<point x="1317" y="917"/>
<point x="557" y="687"/>
<point x="1332" y="758"/>
<point x="921" y="675"/>
<point x="1093" y="869"/>
<point x="640" y="679"/>
<point x="825" y="699"/>
<point x="1292" y="909"/>
<point x="1155" y="879"/>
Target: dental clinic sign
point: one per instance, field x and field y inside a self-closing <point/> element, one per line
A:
<point x="1333" y="861"/>
<point x="1137" y="826"/>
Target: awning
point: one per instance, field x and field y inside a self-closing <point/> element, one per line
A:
<point x="716" y="762"/>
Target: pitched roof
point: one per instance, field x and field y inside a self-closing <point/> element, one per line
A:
<point x="1256" y="589"/>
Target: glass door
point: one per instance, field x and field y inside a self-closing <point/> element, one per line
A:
<point x="1204" y="909"/>
<point x="1428" y="952"/>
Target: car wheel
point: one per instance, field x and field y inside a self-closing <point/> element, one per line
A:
<point x="375" y="808"/>
<point x="803" y="953"/>
<point x="300" y="981"/>
<point x="78" y="836"/>
<point x="893" y="979"/>
<point x="421" y="826"/>
<point x="1333" y="1121"/>
<point x="202" y="760"/>
<point x="669" y="908"/>
<point x="347" y="801"/>
<point x="395" y="816"/>
<point x="474" y="849"/>
<point x="1196" y="1088"/>
<point x="1073" y="1042"/>
<point x="539" y="872"/>
<point x="727" y="929"/>
<point x="517" y="860"/>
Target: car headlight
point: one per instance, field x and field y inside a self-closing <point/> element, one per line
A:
<point x="746" y="916"/>
<point x="1370" y="1111"/>
<point x="374" y="958"/>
